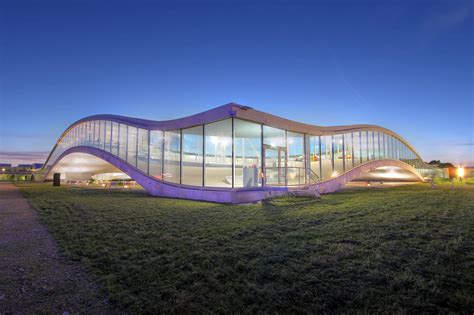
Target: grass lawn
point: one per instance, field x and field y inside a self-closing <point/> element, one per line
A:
<point x="402" y="249"/>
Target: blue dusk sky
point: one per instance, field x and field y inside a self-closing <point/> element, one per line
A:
<point x="404" y="65"/>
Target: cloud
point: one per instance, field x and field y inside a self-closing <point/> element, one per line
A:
<point x="23" y="157"/>
<point x="444" y="20"/>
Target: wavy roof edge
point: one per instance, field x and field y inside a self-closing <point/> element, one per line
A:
<point x="238" y="111"/>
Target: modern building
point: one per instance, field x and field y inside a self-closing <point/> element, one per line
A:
<point x="231" y="154"/>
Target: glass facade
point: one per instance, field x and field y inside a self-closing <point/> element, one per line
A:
<point x="192" y="156"/>
<point x="296" y="158"/>
<point x="132" y="146"/>
<point x="156" y="154"/>
<point x="235" y="153"/>
<point x="326" y="157"/>
<point x="338" y="153"/>
<point x="218" y="154"/>
<point x="172" y="156"/>
<point x="315" y="155"/>
<point x="142" y="153"/>
<point x="247" y="153"/>
<point x="348" y="154"/>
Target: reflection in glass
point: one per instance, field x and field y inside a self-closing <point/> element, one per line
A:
<point x="156" y="153"/>
<point x="142" y="157"/>
<point x="123" y="142"/>
<point x="338" y="154"/>
<point x="108" y="134"/>
<point x="274" y="137"/>
<point x="114" y="145"/>
<point x="171" y="166"/>
<point x="218" y="154"/>
<point x="326" y="157"/>
<point x="315" y="155"/>
<point x="192" y="156"/>
<point x="296" y="171"/>
<point x="132" y="146"/>
<point x="347" y="151"/>
<point x="247" y="151"/>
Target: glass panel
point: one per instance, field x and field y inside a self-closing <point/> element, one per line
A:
<point x="171" y="166"/>
<point x="376" y="145"/>
<point x="115" y="142"/>
<point x="218" y="154"/>
<point x="274" y="137"/>
<point x="142" y="159"/>
<point x="247" y="151"/>
<point x="132" y="146"/>
<point x="275" y="166"/>
<point x="192" y="156"/>
<point x="363" y="146"/>
<point x="315" y="155"/>
<point x="156" y="153"/>
<point x="338" y="154"/>
<point x="347" y="151"/>
<point x="381" y="146"/>
<point x="370" y="145"/>
<point x="357" y="148"/>
<point x="108" y="134"/>
<point x="96" y="133"/>
<point x="326" y="157"/>
<point x="123" y="142"/>
<point x="101" y="135"/>
<point x="296" y="175"/>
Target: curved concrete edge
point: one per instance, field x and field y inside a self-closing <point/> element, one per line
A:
<point x="225" y="195"/>
<point x="334" y="184"/>
<point x="163" y="189"/>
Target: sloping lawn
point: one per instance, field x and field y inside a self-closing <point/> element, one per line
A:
<point x="408" y="249"/>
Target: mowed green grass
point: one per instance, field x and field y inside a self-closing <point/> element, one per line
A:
<point x="403" y="249"/>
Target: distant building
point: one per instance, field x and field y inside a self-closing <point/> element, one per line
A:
<point x="22" y="172"/>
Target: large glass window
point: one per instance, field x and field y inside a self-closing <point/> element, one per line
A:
<point x="142" y="158"/>
<point x="274" y="137"/>
<point x="357" y="148"/>
<point x="363" y="146"/>
<point x="218" y="154"/>
<point x="376" y="144"/>
<point x="123" y="142"/>
<point x="348" y="151"/>
<point x="156" y="153"/>
<point x="115" y="140"/>
<point x="326" y="157"/>
<point x="315" y="155"/>
<point x="101" y="135"/>
<point x="381" y="145"/>
<point x="296" y="171"/>
<point x="132" y="146"/>
<point x="338" y="152"/>
<point x="247" y="151"/>
<point x="370" y="145"/>
<point x="192" y="156"/>
<point x="108" y="134"/>
<point x="171" y="164"/>
<point x="96" y="133"/>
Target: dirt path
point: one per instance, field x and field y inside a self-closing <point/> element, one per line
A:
<point x="34" y="277"/>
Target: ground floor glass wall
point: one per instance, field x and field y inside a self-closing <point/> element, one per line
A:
<point x="236" y="153"/>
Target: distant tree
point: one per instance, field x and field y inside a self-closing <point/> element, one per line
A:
<point x="435" y="162"/>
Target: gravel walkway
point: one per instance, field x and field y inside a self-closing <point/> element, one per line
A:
<point x="34" y="277"/>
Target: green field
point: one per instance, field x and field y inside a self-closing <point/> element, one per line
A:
<point x="403" y="249"/>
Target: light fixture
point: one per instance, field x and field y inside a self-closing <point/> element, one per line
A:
<point x="460" y="171"/>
